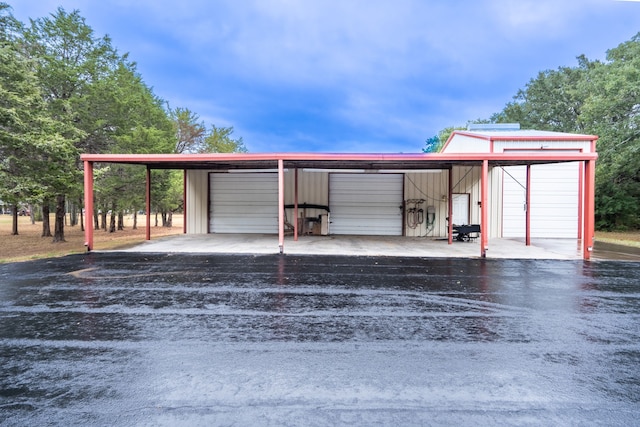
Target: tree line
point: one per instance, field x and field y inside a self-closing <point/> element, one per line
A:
<point x="593" y="97"/>
<point x="66" y="91"/>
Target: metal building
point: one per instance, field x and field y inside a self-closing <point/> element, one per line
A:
<point x="505" y="182"/>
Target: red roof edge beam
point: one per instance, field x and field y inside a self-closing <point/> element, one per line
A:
<point x="88" y="205"/>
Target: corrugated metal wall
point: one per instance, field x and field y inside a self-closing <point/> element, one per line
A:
<point x="313" y="187"/>
<point x="554" y="201"/>
<point x="500" y="146"/>
<point x="467" y="144"/>
<point x="197" y="201"/>
<point x="433" y="188"/>
<point x="466" y="180"/>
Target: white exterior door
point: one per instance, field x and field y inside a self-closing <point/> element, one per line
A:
<point x="460" y="209"/>
<point x="554" y="201"/>
<point x="243" y="203"/>
<point x="366" y="204"/>
<point x="514" y="200"/>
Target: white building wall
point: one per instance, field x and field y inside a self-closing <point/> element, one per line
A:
<point x="313" y="188"/>
<point x="501" y="146"/>
<point x="433" y="188"/>
<point x="466" y="180"/>
<point x="197" y="201"/>
<point x="466" y="144"/>
<point x="495" y="202"/>
<point x="554" y="200"/>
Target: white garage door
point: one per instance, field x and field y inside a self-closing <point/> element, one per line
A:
<point x="243" y="203"/>
<point x="554" y="201"/>
<point x="366" y="204"/>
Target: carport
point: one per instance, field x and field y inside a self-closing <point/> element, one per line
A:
<point x="362" y="163"/>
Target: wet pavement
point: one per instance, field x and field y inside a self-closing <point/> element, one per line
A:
<point x="162" y="339"/>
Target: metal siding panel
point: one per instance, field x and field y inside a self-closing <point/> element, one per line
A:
<point x="466" y="144"/>
<point x="495" y="198"/>
<point x="500" y="146"/>
<point x="554" y="201"/>
<point x="466" y="179"/>
<point x="365" y="204"/>
<point x="244" y="203"/>
<point x="313" y="187"/>
<point x="197" y="202"/>
<point x="433" y="188"/>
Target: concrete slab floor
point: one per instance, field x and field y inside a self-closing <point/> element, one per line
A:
<point x="361" y="246"/>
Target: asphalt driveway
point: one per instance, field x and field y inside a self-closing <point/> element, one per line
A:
<point x="161" y="339"/>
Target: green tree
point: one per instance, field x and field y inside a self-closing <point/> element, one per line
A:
<point x="20" y="104"/>
<point x="68" y="59"/>
<point x="601" y="98"/>
<point x="612" y="110"/>
<point x="552" y="101"/>
<point x="219" y="140"/>
<point x="436" y="143"/>
<point x="137" y="123"/>
<point x="190" y="131"/>
<point x="33" y="153"/>
<point x="92" y="88"/>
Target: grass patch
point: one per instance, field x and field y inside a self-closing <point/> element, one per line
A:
<point x="627" y="238"/>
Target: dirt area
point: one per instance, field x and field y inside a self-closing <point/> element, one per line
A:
<point x="29" y="245"/>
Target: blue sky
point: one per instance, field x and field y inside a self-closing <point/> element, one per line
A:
<point x="347" y="75"/>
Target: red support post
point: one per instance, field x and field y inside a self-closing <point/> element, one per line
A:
<point x="148" y="204"/>
<point x="184" y="201"/>
<point x="88" y="205"/>
<point x="528" y="205"/>
<point x="450" y="201"/>
<point x="580" y="201"/>
<point x="281" y="205"/>
<point x="484" y="209"/>
<point x="295" y="207"/>
<point x="589" y="208"/>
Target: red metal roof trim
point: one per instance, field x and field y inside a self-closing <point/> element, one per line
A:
<point x="447" y="157"/>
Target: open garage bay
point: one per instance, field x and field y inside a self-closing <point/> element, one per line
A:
<point x="162" y="339"/>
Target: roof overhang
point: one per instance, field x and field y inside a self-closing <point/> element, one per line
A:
<point x="380" y="161"/>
